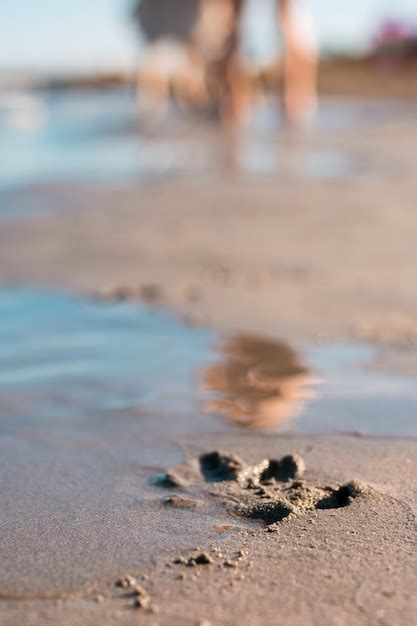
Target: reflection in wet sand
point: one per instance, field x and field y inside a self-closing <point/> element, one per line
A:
<point x="260" y="383"/>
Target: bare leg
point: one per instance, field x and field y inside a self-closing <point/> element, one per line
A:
<point x="220" y="33"/>
<point x="300" y="62"/>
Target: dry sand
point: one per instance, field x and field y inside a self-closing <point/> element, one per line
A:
<point x="308" y="258"/>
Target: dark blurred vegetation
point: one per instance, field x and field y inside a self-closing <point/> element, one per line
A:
<point x="367" y="77"/>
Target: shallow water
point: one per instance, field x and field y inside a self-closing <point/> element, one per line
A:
<point x="62" y="356"/>
<point x="95" y="138"/>
<point x="45" y="137"/>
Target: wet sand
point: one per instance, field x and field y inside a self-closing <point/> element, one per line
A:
<point x="295" y="257"/>
<point x="353" y="564"/>
<point x="286" y="251"/>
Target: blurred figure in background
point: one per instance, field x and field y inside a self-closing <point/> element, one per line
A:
<point x="216" y="36"/>
<point x="299" y="58"/>
<point x="300" y="61"/>
<point x="191" y="52"/>
<point x="168" y="65"/>
<point x="194" y="54"/>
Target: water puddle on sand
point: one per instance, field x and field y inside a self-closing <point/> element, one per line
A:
<point x="98" y="398"/>
<point x="266" y="384"/>
<point x="62" y="356"/>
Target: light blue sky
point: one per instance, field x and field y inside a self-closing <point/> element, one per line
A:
<point x="61" y="35"/>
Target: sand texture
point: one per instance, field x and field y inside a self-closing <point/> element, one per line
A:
<point x="334" y="544"/>
<point x="114" y="517"/>
<point x="292" y="257"/>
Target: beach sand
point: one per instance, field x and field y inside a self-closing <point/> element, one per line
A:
<point x="349" y="565"/>
<point x="295" y="257"/>
<point x="285" y="255"/>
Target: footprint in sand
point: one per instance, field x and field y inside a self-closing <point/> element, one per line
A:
<point x="271" y="491"/>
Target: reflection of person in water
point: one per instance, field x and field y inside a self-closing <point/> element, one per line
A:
<point x="259" y="383"/>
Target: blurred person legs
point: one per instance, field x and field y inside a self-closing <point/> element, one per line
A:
<point x="217" y="37"/>
<point x="300" y="61"/>
<point x="169" y="66"/>
<point x="170" y="70"/>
